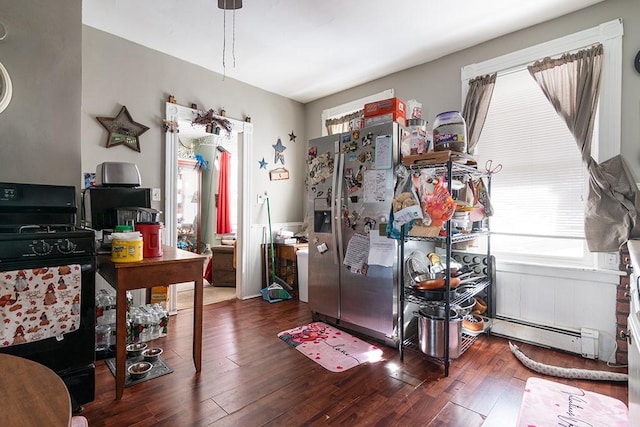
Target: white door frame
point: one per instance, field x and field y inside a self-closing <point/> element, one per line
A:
<point x="173" y="112"/>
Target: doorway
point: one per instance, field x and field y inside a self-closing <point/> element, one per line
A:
<point x="186" y="141"/>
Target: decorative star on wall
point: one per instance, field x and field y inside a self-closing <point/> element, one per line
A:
<point x="279" y="149"/>
<point x="292" y="137"/>
<point x="263" y="164"/>
<point x="123" y="130"/>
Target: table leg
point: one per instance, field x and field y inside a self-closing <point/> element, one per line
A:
<point x="121" y="340"/>
<point x="197" y="323"/>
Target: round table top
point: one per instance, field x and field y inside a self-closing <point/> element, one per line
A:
<point x="32" y="394"/>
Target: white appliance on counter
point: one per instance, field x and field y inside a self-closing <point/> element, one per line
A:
<point x="634" y="364"/>
<point x="351" y="187"/>
<point x="633" y="337"/>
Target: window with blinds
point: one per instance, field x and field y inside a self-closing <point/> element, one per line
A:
<point x="539" y="195"/>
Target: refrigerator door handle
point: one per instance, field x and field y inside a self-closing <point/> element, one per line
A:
<point x="334" y="180"/>
<point x="337" y="205"/>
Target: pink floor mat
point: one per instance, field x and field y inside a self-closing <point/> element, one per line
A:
<point x="332" y="348"/>
<point x="547" y="403"/>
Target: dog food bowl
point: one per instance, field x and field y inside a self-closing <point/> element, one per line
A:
<point x="139" y="370"/>
<point x="151" y="354"/>
<point x="134" y="350"/>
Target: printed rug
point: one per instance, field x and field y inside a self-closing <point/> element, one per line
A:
<point x="332" y="348"/>
<point x="159" y="369"/>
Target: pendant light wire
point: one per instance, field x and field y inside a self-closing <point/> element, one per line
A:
<point x="224" y="37"/>
<point x="233" y="42"/>
<point x="224" y="40"/>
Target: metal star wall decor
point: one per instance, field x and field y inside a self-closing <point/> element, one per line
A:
<point x="279" y="149"/>
<point x="263" y="164"/>
<point x="123" y="130"/>
<point x="292" y="137"/>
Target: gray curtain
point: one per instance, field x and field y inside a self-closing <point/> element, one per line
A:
<point x="342" y="124"/>
<point x="572" y="84"/>
<point x="476" y="107"/>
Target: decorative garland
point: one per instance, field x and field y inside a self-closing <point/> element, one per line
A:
<point x="212" y="122"/>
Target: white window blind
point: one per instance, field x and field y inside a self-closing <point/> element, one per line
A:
<point x="540" y="193"/>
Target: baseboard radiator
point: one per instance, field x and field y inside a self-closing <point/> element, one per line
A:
<point x="573" y="341"/>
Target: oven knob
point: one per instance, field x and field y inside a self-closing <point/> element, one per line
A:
<point x="66" y="246"/>
<point x="41" y="248"/>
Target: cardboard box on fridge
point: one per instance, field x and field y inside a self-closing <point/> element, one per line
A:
<point x="385" y="106"/>
<point x="383" y="118"/>
<point x="386" y="110"/>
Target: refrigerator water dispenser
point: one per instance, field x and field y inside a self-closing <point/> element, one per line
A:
<point x="321" y="216"/>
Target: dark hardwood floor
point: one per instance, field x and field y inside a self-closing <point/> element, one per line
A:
<point x="252" y="378"/>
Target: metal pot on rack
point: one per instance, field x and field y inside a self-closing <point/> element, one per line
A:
<point x="431" y="325"/>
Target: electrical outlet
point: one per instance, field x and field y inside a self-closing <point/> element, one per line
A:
<point x="611" y="261"/>
<point x="155" y="194"/>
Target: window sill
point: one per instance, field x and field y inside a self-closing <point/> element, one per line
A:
<point x="568" y="272"/>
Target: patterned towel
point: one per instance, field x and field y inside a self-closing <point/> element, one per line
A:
<point x="39" y="303"/>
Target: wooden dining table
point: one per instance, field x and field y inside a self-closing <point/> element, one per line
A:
<point x="32" y="394"/>
<point x="174" y="266"/>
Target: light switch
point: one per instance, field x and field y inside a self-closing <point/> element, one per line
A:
<point x="155" y="194"/>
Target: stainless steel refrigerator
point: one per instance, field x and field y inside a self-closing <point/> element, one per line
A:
<point x="350" y="182"/>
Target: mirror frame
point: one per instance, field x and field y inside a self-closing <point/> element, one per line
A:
<point x="6" y="88"/>
<point x="175" y="112"/>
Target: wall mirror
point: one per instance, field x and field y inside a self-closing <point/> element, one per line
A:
<point x="6" y="88"/>
<point x="195" y="165"/>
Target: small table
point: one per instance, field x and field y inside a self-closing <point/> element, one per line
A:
<point x="32" y="394"/>
<point x="174" y="266"/>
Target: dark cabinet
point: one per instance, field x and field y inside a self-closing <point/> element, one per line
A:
<point x="286" y="263"/>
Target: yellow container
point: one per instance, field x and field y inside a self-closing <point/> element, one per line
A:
<point x="126" y="247"/>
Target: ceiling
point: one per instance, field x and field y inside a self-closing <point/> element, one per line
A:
<point x="308" y="49"/>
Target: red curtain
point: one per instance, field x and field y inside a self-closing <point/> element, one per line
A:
<point x="223" y="223"/>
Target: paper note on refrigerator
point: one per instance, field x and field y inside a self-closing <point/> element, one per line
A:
<point x="355" y="258"/>
<point x="382" y="250"/>
<point x="374" y="186"/>
<point x="384" y="152"/>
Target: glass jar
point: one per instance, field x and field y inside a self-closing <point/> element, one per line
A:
<point x="103" y="337"/>
<point x="450" y="132"/>
<point x="418" y="136"/>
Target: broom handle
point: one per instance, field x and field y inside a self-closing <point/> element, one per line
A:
<point x="273" y="258"/>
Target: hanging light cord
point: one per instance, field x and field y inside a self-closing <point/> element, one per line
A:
<point x="224" y="39"/>
<point x="233" y="42"/>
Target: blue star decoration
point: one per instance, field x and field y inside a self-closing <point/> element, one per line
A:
<point x="279" y="149"/>
<point x="123" y="130"/>
<point x="263" y="164"/>
<point x="292" y="137"/>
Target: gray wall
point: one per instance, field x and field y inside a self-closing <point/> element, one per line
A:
<point x="40" y="129"/>
<point x="117" y="72"/>
<point x="437" y="84"/>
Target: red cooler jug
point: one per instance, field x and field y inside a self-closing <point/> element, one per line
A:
<point x="151" y="240"/>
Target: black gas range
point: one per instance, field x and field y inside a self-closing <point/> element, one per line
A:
<point x="44" y="241"/>
<point x="48" y="267"/>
